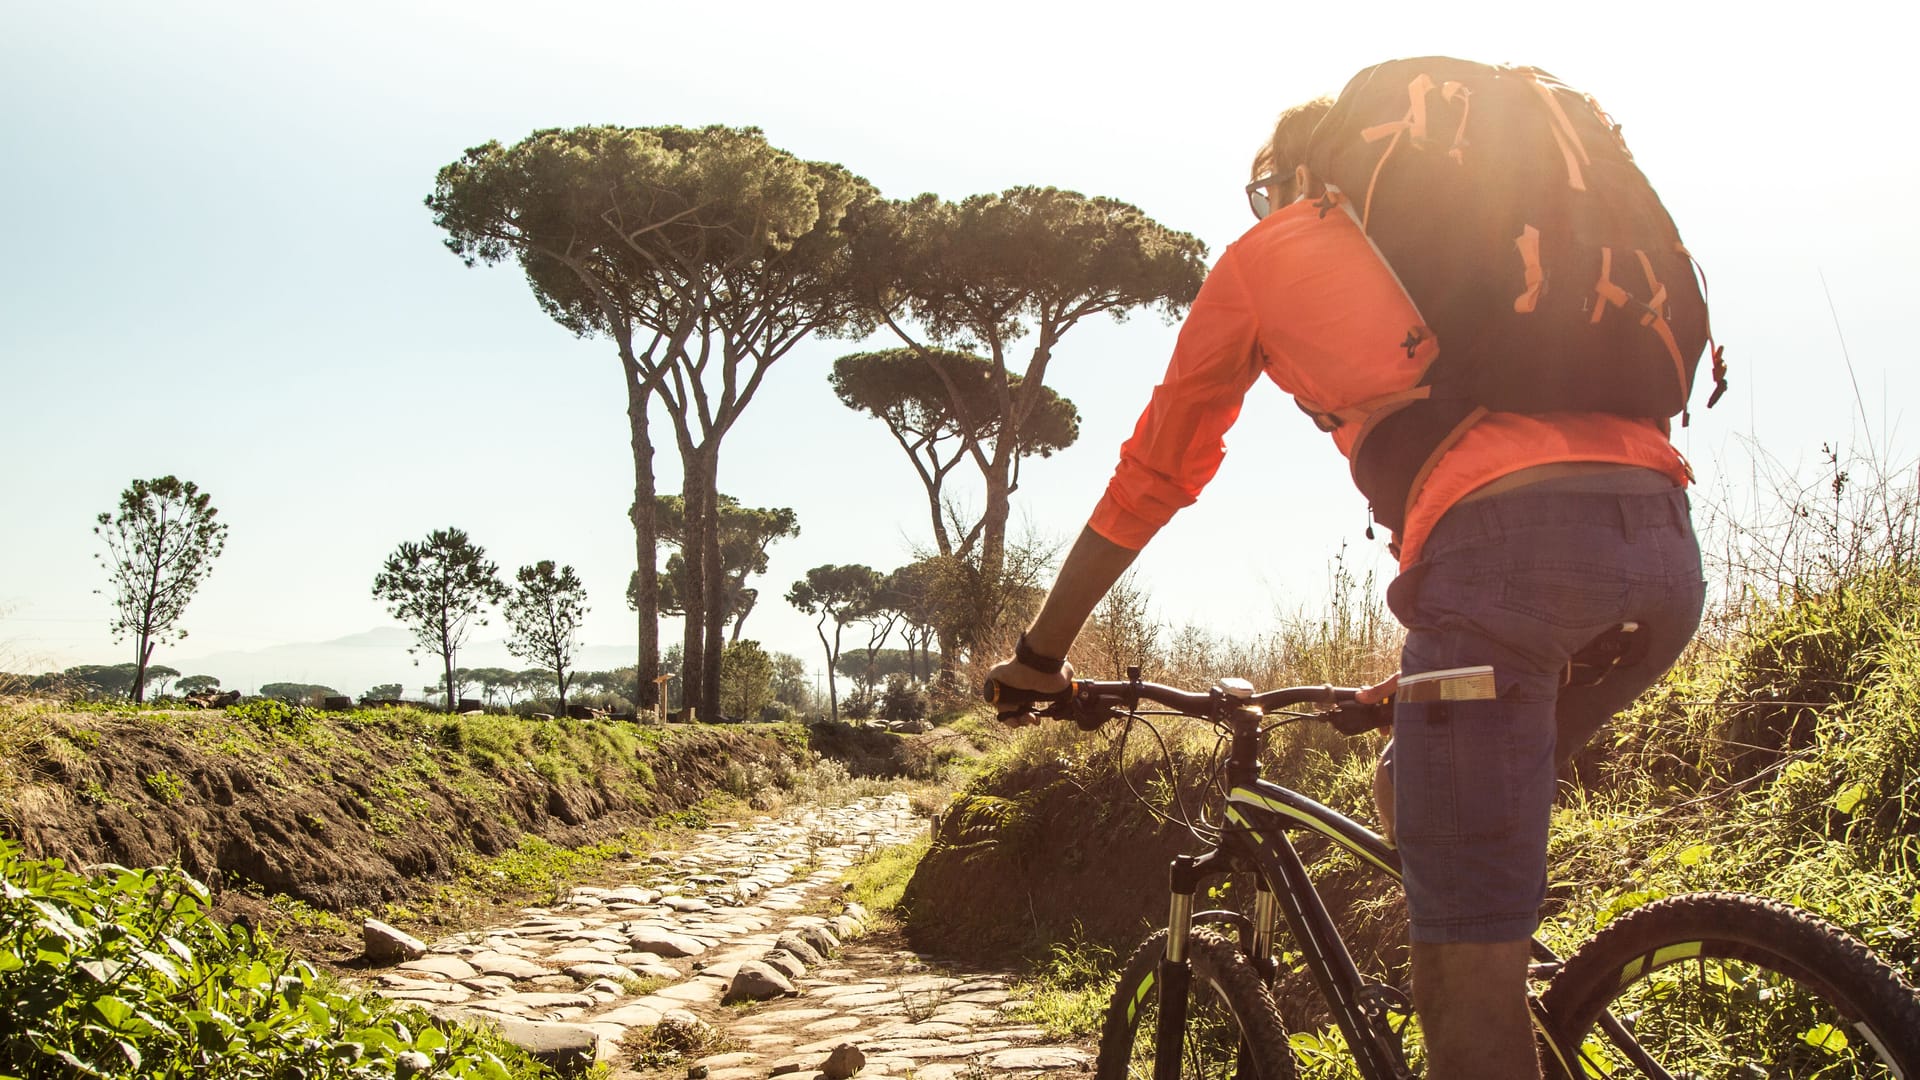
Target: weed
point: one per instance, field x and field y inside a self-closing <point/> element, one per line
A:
<point x="919" y="1005"/>
<point x="166" y="787"/>
<point x="1066" y="993"/>
<point x="670" y="1043"/>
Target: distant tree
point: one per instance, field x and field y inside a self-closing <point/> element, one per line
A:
<point x="904" y="699"/>
<point x="790" y="681"/>
<point x="997" y="271"/>
<point x="884" y="664"/>
<point x="440" y="589"/>
<point x="386" y="691"/>
<point x="294" y="693"/>
<point x="195" y="684"/>
<point x="161" y="544"/>
<point x="836" y="594"/>
<point x="530" y="681"/>
<point x="115" y="680"/>
<point x="746" y="679"/>
<point x="940" y="406"/>
<point x="158" y="676"/>
<point x="917" y="591"/>
<point x="493" y="682"/>
<point x="101" y="680"/>
<point x="545" y="612"/>
<point x="451" y="696"/>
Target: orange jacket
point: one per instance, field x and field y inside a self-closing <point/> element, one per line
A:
<point x="1305" y="298"/>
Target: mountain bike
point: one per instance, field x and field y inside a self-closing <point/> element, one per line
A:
<point x="1707" y="985"/>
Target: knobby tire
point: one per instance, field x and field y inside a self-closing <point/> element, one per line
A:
<point x="1227" y="1002"/>
<point x="1720" y="984"/>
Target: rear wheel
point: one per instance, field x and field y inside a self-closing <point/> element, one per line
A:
<point x="1718" y="985"/>
<point x="1232" y="1029"/>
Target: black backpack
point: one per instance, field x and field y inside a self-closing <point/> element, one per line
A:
<point x="1539" y="257"/>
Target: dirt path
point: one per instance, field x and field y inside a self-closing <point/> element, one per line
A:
<point x="735" y="958"/>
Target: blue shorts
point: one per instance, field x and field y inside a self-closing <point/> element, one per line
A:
<point x="1522" y="580"/>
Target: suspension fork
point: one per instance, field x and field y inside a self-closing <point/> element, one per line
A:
<point x="1176" y="973"/>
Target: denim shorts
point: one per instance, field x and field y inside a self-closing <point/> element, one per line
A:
<point x="1521" y="581"/>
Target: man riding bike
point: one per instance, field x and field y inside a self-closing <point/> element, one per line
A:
<point x="1527" y="538"/>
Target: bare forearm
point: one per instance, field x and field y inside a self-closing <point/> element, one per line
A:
<point x="1091" y="568"/>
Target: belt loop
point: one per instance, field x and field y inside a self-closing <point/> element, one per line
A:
<point x="1630" y="515"/>
<point x="1493" y="523"/>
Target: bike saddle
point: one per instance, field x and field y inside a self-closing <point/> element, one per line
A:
<point x="1594" y="661"/>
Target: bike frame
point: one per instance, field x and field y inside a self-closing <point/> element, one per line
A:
<point x="1260" y="818"/>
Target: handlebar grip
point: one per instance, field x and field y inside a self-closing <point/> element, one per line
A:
<point x="1011" y="699"/>
<point x="1355" y="718"/>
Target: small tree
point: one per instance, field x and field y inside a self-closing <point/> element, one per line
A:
<point x="197" y="684"/>
<point x="160" y="548"/>
<point x="746" y="679"/>
<point x="904" y="699"/>
<point x="836" y="594"/>
<point x="386" y="691"/>
<point x="790" y="681"/>
<point x="440" y="589"/>
<point x="545" y="611"/>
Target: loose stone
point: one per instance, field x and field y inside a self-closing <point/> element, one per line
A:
<point x="384" y="944"/>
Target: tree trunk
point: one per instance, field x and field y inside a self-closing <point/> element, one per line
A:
<point x="695" y="537"/>
<point x="716" y="590"/>
<point x="740" y="617"/>
<point x="143" y="657"/>
<point x="453" y="692"/>
<point x="646" y="539"/>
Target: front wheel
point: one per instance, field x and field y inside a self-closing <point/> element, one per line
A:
<point x="1232" y="1029"/>
<point x="1719" y="985"/>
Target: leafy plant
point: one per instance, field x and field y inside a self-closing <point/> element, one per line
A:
<point x="126" y="973"/>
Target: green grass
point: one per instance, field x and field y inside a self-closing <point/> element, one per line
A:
<point x="1066" y="992"/>
<point x="879" y="879"/>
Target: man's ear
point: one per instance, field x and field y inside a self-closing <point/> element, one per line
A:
<point x="1303" y="185"/>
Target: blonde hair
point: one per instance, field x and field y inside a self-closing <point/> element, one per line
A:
<point x="1287" y="147"/>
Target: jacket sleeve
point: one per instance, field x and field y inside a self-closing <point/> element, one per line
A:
<point x="1176" y="445"/>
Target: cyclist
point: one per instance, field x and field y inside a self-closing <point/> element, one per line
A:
<point x="1531" y="537"/>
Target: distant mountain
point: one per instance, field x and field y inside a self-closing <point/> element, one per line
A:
<point x="353" y="663"/>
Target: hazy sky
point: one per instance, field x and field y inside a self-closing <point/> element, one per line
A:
<point x="217" y="265"/>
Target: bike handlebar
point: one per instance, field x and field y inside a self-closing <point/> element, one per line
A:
<point x="1091" y="702"/>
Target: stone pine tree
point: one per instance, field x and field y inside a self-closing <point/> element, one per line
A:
<point x="161" y="544"/>
<point x="941" y="407"/>
<point x="746" y="532"/>
<point x="441" y="589"/>
<point x="545" y="611"/>
<point x="1012" y="273"/>
<point x="705" y="255"/>
<point x="837" y="595"/>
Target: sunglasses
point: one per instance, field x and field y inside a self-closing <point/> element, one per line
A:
<point x="1257" y="193"/>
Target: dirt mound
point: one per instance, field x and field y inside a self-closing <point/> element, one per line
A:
<point x="1054" y="851"/>
<point x="350" y="811"/>
<point x="1040" y="855"/>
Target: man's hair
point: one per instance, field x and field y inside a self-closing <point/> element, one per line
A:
<point x="1288" y="146"/>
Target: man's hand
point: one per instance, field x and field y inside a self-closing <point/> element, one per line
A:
<point x="1374" y="695"/>
<point x="1013" y="673"/>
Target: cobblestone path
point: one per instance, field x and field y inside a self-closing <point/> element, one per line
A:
<point x="739" y="946"/>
